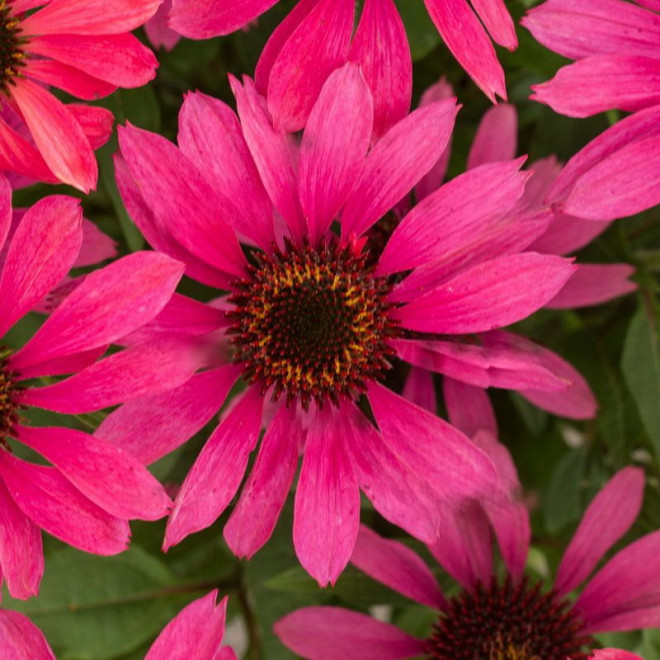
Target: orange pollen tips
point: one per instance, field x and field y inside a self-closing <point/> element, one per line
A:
<point x="508" y="622"/>
<point x="12" y="58"/>
<point x="8" y="408"/>
<point x="313" y="323"/>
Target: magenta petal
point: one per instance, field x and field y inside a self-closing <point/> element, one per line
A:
<point x="20" y="639"/>
<point x="96" y="246"/>
<point x="202" y="19"/>
<point x="111" y="478"/>
<point x="96" y="122"/>
<point x="58" y="136"/>
<point x="146" y="427"/>
<point x="52" y="503"/>
<point x="195" y="632"/>
<point x="489" y="295"/>
<point x="615" y="654"/>
<point x="628" y="583"/>
<point x="254" y="517"/>
<point x="41" y="252"/>
<point x="496" y="138"/>
<point x="326" y="512"/>
<point x="71" y="80"/>
<point x="333" y="633"/>
<point x="469" y="408"/>
<point x="317" y="46"/>
<point x="498" y="22"/>
<point x="468" y="41"/>
<point x="398" y="567"/>
<point x="21" y="551"/>
<point x="607" y="519"/>
<point x="331" y="160"/>
<point x="566" y="233"/>
<point x="380" y="47"/>
<point x="218" y="471"/>
<point x="397" y="162"/>
<point x="20" y="156"/>
<point x="419" y="389"/>
<point x="5" y="209"/>
<point x="110" y="303"/>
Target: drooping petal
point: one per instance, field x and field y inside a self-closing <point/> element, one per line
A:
<point x="254" y="517"/>
<point x="498" y="22"/>
<point x="380" y="47"/>
<point x="160" y="34"/>
<point x="398" y="567"/>
<point x="96" y="246"/>
<point x="146" y="427"/>
<point x="593" y="284"/>
<point x="41" y="252"/>
<point x="333" y="633"/>
<point x="110" y="477"/>
<point x="615" y="654"/>
<point x="109" y="303"/>
<point x="71" y="80"/>
<point x="419" y="389"/>
<point x="196" y="632"/>
<point x="96" y="122"/>
<point x="326" y="512"/>
<point x="334" y="146"/>
<point x="566" y="233"/>
<point x="20" y="639"/>
<point x="218" y="471"/>
<point x="18" y="155"/>
<point x="469" y="408"/>
<point x="397" y="162"/>
<point x="52" y="503"/>
<point x="5" y="209"/>
<point x="496" y="138"/>
<point x="607" y="519"/>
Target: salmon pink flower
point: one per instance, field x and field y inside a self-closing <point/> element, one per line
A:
<point x="318" y="307"/>
<point x="616" y="46"/>
<point x="92" y="488"/>
<point x="504" y="616"/>
<point x="87" y="52"/>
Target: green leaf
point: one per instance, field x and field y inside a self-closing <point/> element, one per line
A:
<point x="640" y="364"/>
<point x="650" y="649"/>
<point x="562" y="502"/>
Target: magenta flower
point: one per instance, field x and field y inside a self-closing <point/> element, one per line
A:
<point x="616" y="46"/>
<point x="160" y="34"/>
<point x="512" y="615"/>
<point x="314" y="319"/>
<point x="196" y="632"/>
<point x="58" y="43"/>
<point x="316" y="38"/>
<point x="93" y="488"/>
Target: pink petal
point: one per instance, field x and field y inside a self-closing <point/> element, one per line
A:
<point x="489" y="295"/>
<point x="41" y="252"/>
<point x="615" y="654"/>
<point x="593" y="284"/>
<point x="218" y="471"/>
<point x="20" y="639"/>
<point x="96" y="246"/>
<point x="398" y="567"/>
<point x="625" y="82"/>
<point x="157" y="29"/>
<point x="254" y="517"/>
<point x="71" y="80"/>
<point x="397" y="162"/>
<point x="326" y="513"/>
<point x="271" y="153"/>
<point x="566" y="233"/>
<point x="210" y="135"/>
<point x="118" y="59"/>
<point x="644" y="617"/>
<point x="498" y="22"/>
<point x="97" y="123"/>
<point x="21" y="551"/>
<point x="419" y="389"/>
<point x="453" y="221"/>
<point x="202" y="19"/>
<point x="111" y="478"/>
<point x="139" y="371"/>
<point x="627" y="583"/>
<point x="183" y="202"/>
<point x="5" y="209"/>
<point x="57" y="135"/>
<point x="331" y="160"/>
<point x="380" y="47"/>
<point x="317" y="46"/>
<point x="333" y="633"/>
<point x="467" y="40"/>
<point x="469" y="409"/>
<point x="195" y="632"/>
<point x="52" y="503"/>
<point x="609" y="516"/>
<point x="146" y="427"/>
<point x="496" y="138"/>
<point x="18" y="155"/>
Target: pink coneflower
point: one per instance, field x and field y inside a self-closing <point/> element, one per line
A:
<point x="500" y="616"/>
<point x="617" y="48"/>
<point x="93" y="488"/>
<point x="87" y="52"/>
<point x="196" y="632"/>
<point x="316" y="38"/>
<point x="314" y="315"/>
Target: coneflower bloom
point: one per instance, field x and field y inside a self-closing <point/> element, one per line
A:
<point x="86" y="51"/>
<point x="196" y="632"/>
<point x="616" y="45"/>
<point x="512" y="615"/>
<point x="317" y="305"/>
<point x="92" y="488"/>
<point x="316" y="36"/>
